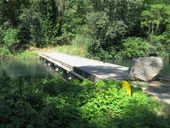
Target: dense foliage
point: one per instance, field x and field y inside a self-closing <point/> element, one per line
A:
<point x="53" y="103"/>
<point x="107" y="25"/>
<point x="117" y="24"/>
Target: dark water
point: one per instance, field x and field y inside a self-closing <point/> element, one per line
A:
<point x="23" y="67"/>
<point x="166" y="68"/>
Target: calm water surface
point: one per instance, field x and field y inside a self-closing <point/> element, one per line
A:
<point x="23" y="67"/>
<point x="166" y="68"/>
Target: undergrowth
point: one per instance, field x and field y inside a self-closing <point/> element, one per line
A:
<point x="52" y="103"/>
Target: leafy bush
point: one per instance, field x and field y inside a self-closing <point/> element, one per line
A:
<point x="1" y="35"/>
<point x="158" y="45"/>
<point x="65" y="39"/>
<point x="10" y="37"/>
<point x="4" y="52"/>
<point x="158" y="50"/>
<point x="82" y="40"/>
<point x="49" y="33"/>
<point x="134" y="47"/>
<point x="50" y="103"/>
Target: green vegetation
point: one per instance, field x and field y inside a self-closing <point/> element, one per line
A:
<point x="104" y="28"/>
<point x="101" y="29"/>
<point x="78" y="46"/>
<point x="52" y="103"/>
<point x="27" y="54"/>
<point x="72" y="50"/>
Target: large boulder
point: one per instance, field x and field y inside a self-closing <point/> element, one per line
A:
<point x="146" y="68"/>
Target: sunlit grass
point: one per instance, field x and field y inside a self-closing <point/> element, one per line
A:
<point x="78" y="46"/>
<point x="27" y="54"/>
<point x="73" y="49"/>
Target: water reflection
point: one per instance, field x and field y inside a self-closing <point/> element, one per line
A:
<point x="166" y="68"/>
<point x="23" y="67"/>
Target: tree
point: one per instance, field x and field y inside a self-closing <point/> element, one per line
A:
<point x="111" y="21"/>
<point x="154" y="19"/>
<point x="74" y="16"/>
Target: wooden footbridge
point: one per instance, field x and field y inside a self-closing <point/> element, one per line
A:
<point x="97" y="70"/>
<point x="85" y="68"/>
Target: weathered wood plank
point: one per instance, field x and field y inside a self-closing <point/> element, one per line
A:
<point x="87" y="68"/>
<point x="97" y="70"/>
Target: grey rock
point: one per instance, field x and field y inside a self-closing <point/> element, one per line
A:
<point x="146" y="68"/>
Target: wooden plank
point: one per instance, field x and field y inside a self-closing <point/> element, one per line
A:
<point x="97" y="70"/>
<point x="87" y="68"/>
<point x="60" y="64"/>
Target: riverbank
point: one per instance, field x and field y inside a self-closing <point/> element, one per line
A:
<point x="67" y="49"/>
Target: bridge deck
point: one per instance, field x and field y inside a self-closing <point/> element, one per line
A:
<point x="87" y="68"/>
<point x="96" y="70"/>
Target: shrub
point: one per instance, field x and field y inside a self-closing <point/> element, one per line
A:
<point x="64" y="39"/>
<point x="159" y="45"/>
<point x="10" y="37"/>
<point x="51" y="102"/>
<point x="82" y="40"/>
<point x="134" y="47"/>
<point x="4" y="51"/>
<point x="1" y="35"/>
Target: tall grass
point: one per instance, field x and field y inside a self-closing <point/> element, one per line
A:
<point x="77" y="47"/>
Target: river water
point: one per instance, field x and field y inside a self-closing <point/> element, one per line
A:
<point x="33" y="67"/>
<point x="23" y="67"/>
<point x="166" y="68"/>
